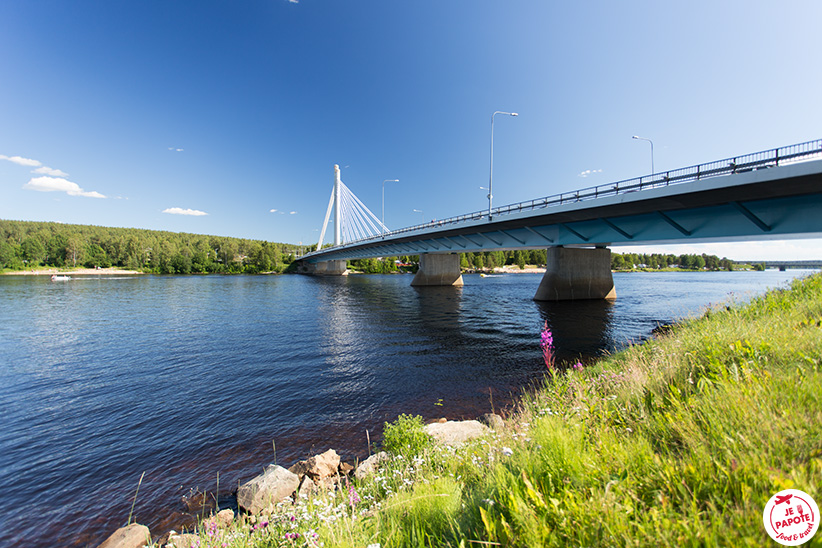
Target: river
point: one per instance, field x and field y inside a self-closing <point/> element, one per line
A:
<point x="186" y="379"/>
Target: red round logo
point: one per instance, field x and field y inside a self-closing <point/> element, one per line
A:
<point x="791" y="517"/>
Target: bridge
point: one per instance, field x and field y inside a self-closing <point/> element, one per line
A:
<point x="784" y="265"/>
<point x="773" y="194"/>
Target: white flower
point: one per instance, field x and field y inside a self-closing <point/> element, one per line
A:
<point x="507" y="451"/>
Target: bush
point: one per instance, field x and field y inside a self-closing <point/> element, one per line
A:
<point x="406" y="436"/>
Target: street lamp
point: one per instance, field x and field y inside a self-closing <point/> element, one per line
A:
<point x="422" y="215"/>
<point x="383" y="200"/>
<point x="491" y="170"/>
<point x="652" y="150"/>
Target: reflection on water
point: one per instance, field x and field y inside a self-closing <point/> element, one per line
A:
<point x="185" y="378"/>
<point x="580" y="328"/>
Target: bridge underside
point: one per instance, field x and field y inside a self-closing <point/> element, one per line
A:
<point x="794" y="217"/>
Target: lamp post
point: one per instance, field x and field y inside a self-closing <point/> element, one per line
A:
<point x="383" y="200"/>
<point x="491" y="169"/>
<point x="422" y="215"/>
<point x="652" y="150"/>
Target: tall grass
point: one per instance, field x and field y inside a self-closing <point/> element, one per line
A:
<point x="677" y="442"/>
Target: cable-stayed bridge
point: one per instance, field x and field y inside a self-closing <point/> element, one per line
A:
<point x="773" y="194"/>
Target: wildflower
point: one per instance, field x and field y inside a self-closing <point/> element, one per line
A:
<point x="578" y="366"/>
<point x="547" y="344"/>
<point x="507" y="451"/>
<point x="353" y="497"/>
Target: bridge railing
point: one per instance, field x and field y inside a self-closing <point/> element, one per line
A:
<point x="738" y="164"/>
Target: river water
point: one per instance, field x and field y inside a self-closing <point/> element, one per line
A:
<point x="191" y="379"/>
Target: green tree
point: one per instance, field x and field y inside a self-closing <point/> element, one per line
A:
<point x="519" y="258"/>
<point x="34" y="252"/>
<point x="74" y="250"/>
<point x="9" y="256"/>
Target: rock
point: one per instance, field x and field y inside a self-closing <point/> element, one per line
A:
<point x="323" y="466"/>
<point x="133" y="535"/>
<point x="442" y="420"/>
<point x="319" y="468"/>
<point x="308" y="487"/>
<point x="455" y="433"/>
<point x="274" y="485"/>
<point x="370" y="465"/>
<point x="186" y="540"/>
<point x="223" y="519"/>
<point x="345" y="468"/>
<point x="492" y="421"/>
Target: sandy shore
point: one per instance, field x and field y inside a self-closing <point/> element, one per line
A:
<point x="517" y="270"/>
<point x="72" y="272"/>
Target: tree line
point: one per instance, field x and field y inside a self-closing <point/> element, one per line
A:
<point x="486" y="260"/>
<point x="630" y="261"/>
<point x="29" y="244"/>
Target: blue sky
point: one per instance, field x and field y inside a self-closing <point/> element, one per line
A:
<point x="132" y="114"/>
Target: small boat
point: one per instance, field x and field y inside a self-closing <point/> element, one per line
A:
<point x="60" y="278"/>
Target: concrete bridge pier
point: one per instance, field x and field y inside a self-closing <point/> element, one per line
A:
<point x="576" y="274"/>
<point x="328" y="268"/>
<point x="438" y="269"/>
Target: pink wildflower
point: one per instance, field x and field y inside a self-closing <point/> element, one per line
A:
<point x="547" y="344"/>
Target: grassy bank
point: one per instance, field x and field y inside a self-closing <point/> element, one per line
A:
<point x="677" y="442"/>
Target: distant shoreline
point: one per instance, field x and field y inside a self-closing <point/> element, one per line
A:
<point x="76" y="271"/>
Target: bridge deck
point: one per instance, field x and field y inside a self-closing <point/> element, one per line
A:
<point x="757" y="197"/>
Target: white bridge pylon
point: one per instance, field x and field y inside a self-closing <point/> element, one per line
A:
<point x="352" y="220"/>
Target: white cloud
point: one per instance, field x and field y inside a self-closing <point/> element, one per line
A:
<point x="181" y="211"/>
<point x="589" y="172"/>
<point x="293" y="1"/>
<point x="58" y="184"/>
<point x="174" y="149"/>
<point x="50" y="171"/>
<point x="277" y="211"/>
<point x="292" y="213"/>
<point x="19" y="160"/>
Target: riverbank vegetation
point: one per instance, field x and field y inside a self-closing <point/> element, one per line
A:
<point x="30" y="245"/>
<point x="27" y="245"/>
<point x="659" y="261"/>
<point x="676" y="442"/>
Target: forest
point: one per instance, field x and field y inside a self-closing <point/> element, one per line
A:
<point x="28" y="244"/>
<point x="488" y="260"/>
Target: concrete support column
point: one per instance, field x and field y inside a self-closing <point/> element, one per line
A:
<point x="576" y="274"/>
<point x="330" y="268"/>
<point x="438" y="269"/>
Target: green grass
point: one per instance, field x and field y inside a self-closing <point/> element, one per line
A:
<point x="677" y="442"/>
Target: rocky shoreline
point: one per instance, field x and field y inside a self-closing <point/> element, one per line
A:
<point x="259" y="498"/>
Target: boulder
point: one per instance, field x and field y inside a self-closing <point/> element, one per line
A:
<point x="272" y="486"/>
<point x="319" y="468"/>
<point x="370" y="465"/>
<point x="133" y="535"/>
<point x="455" y="433"/>
<point x="492" y="421"/>
<point x="223" y="519"/>
<point x="308" y="487"/>
<point x="186" y="540"/>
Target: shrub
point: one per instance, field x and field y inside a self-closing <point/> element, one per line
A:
<point x="406" y="436"/>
